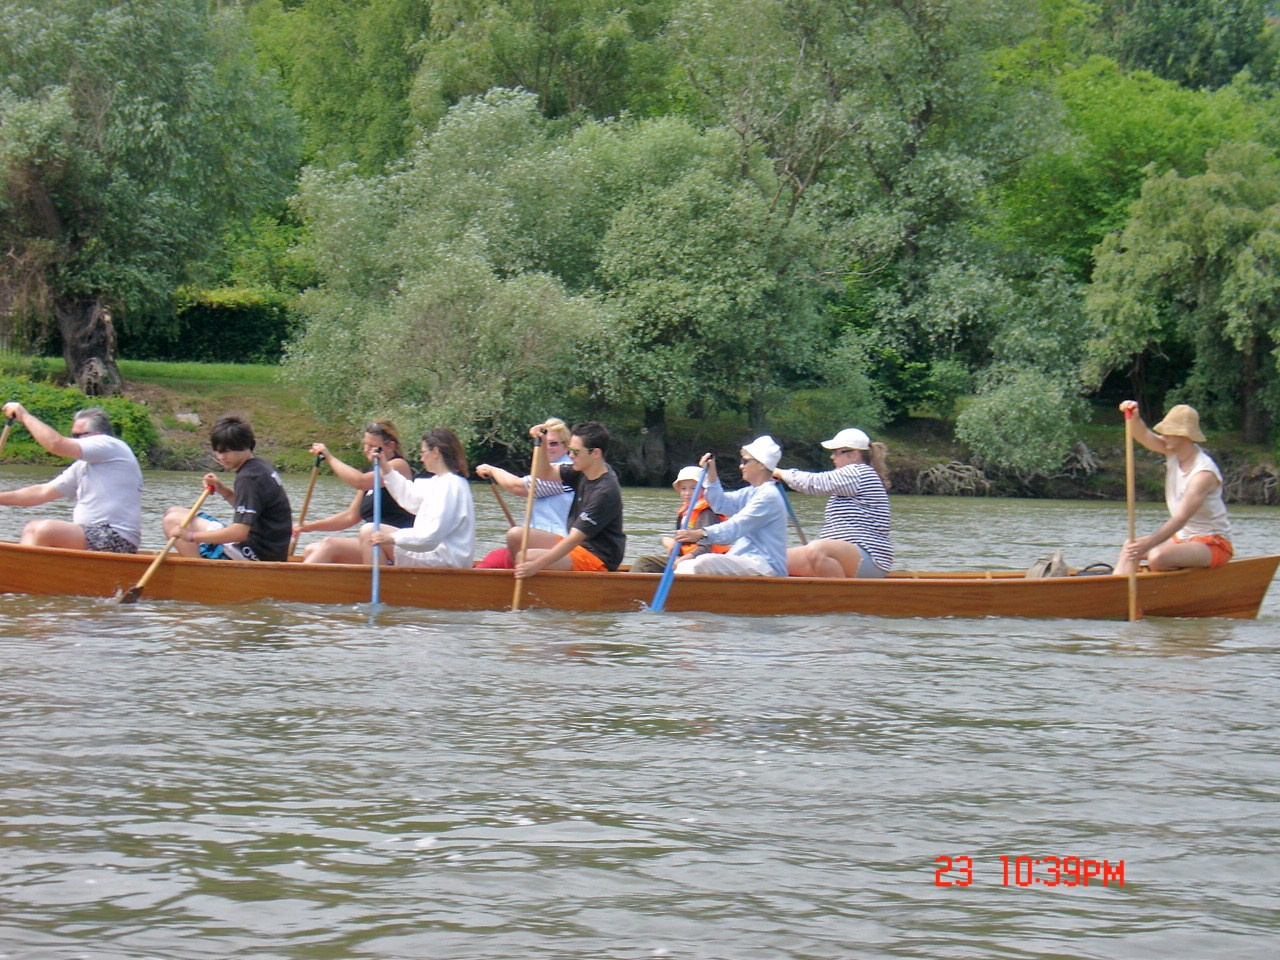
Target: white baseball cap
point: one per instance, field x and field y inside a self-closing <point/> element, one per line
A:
<point x="850" y="438"/>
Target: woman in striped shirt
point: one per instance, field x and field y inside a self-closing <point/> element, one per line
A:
<point x="854" y="541"/>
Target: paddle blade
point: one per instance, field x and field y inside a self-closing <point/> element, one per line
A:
<point x="131" y="595"/>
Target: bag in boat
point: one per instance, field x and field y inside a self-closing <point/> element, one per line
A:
<point x="1095" y="570"/>
<point x="1050" y="565"/>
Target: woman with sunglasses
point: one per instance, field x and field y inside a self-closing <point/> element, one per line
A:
<point x="380" y="439"/>
<point x="551" y="501"/>
<point x="756" y="526"/>
<point x="854" y="540"/>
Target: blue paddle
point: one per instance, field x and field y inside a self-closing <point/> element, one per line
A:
<point x="377" y="525"/>
<point x="669" y="571"/>
<point x="791" y="510"/>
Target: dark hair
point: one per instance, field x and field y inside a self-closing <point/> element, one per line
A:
<point x="232" y="433"/>
<point x="450" y="447"/>
<point x="388" y="432"/>
<point x="96" y="420"/>
<point x="594" y="434"/>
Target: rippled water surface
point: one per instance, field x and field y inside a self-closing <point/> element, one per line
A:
<point x="286" y="781"/>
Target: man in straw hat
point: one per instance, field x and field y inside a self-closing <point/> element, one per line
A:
<point x="1197" y="532"/>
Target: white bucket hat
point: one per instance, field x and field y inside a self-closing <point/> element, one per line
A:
<point x="850" y="438"/>
<point x="687" y="473"/>
<point x="765" y="450"/>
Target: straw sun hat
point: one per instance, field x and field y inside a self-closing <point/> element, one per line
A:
<point x="1181" y="421"/>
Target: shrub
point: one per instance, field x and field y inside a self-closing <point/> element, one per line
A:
<point x="57" y="406"/>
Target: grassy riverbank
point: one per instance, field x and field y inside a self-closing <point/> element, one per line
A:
<point x="183" y="400"/>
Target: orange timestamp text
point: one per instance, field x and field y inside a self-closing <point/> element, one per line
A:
<point x="1023" y="871"/>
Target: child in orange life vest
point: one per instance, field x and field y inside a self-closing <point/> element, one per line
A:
<point x="703" y="515"/>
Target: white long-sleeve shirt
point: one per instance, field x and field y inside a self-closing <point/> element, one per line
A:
<point x="444" y="524"/>
<point x="757" y="524"/>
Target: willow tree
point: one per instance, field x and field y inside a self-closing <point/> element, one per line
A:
<point x="131" y="134"/>
<point x="1198" y="267"/>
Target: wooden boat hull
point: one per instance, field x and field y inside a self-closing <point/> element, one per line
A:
<point x="1235" y="590"/>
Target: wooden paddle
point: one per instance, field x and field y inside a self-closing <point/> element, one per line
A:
<point x="792" y="513"/>
<point x="306" y="502"/>
<point x="669" y="571"/>
<point x="4" y="435"/>
<point x="376" y="587"/>
<point x="1134" y="612"/>
<point x="511" y="521"/>
<point x="528" y="519"/>
<point x="133" y="593"/>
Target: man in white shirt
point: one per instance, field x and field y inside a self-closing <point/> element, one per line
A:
<point x="105" y="482"/>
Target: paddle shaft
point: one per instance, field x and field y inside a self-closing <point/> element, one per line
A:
<point x="511" y="521"/>
<point x="306" y="502"/>
<point x="375" y="591"/>
<point x="535" y="465"/>
<point x="4" y="435"/>
<point x="794" y="519"/>
<point x="135" y="591"/>
<point x="1134" y="613"/>
<point x="669" y="571"/>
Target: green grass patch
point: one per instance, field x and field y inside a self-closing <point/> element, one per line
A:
<point x="179" y="375"/>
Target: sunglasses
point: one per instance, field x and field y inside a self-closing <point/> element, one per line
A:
<point x="745" y="460"/>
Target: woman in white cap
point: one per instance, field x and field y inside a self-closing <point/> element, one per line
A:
<point x="1197" y="533"/>
<point x="854" y="540"/>
<point x="756" y="528"/>
<point x="702" y="515"/>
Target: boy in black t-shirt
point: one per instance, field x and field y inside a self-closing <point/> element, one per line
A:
<point x="263" y="521"/>
<point x="595" y="540"/>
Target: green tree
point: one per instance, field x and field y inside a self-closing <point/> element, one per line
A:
<point x="348" y="67"/>
<point x="1199" y="263"/>
<point x="130" y="134"/>
<point x="1195" y="43"/>
<point x="596" y="57"/>
<point x="633" y="262"/>
<point x="1065" y="199"/>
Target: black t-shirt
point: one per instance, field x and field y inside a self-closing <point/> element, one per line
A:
<point x="261" y="502"/>
<point x="597" y="511"/>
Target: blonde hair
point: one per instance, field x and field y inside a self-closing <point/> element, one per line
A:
<point x="557" y="427"/>
<point x="877" y="456"/>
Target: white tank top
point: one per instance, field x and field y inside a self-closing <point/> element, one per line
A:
<point x="1211" y="518"/>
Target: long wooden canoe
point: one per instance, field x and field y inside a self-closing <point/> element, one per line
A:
<point x="1235" y="590"/>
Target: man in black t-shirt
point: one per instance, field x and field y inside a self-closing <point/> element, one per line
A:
<point x="263" y="523"/>
<point x="595" y="540"/>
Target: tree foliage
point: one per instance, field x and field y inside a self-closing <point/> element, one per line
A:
<point x="1195" y="43"/>
<point x="1199" y="262"/>
<point x="349" y="68"/>
<point x="595" y="57"/>
<point x="130" y="133"/>
<point x="622" y="260"/>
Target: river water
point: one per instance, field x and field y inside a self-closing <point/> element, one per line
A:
<point x="277" y="781"/>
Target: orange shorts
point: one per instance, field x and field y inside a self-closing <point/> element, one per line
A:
<point x="1220" y="548"/>
<point x="584" y="559"/>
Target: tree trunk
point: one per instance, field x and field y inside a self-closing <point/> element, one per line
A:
<point x="89" y="346"/>
<point x="756" y="421"/>
<point x="1255" y="425"/>
<point x="648" y="461"/>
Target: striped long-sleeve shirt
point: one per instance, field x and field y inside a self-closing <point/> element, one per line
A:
<point x="858" y="510"/>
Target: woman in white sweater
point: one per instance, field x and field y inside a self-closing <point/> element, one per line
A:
<point x="444" y="527"/>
